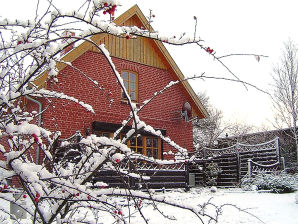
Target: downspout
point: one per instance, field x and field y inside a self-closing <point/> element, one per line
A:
<point x="39" y="123"/>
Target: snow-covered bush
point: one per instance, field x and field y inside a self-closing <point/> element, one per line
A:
<point x="279" y="182"/>
<point x="212" y="172"/>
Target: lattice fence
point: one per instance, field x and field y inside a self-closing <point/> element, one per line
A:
<point x="233" y="162"/>
<point x="152" y="175"/>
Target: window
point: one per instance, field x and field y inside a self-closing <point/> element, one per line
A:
<point x="130" y="83"/>
<point x="104" y="134"/>
<point x="146" y="145"/>
<point x="152" y="147"/>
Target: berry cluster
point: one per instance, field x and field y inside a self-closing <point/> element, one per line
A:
<point x="119" y="212"/>
<point x="138" y="204"/>
<point x="209" y="50"/>
<point x="37" y="197"/>
<point x="109" y="8"/>
<point x="36" y="140"/>
<point x="4" y="188"/>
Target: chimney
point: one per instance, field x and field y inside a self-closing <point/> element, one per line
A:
<point x="67" y="33"/>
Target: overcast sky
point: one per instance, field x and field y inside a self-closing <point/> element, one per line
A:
<point x="227" y="26"/>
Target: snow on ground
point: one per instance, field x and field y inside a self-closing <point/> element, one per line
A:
<point x="270" y="208"/>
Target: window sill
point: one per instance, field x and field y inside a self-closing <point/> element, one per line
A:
<point x="122" y="101"/>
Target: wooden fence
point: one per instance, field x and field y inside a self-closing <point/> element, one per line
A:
<point x="132" y="173"/>
<point x="220" y="167"/>
<point x="231" y="164"/>
<point x="140" y="174"/>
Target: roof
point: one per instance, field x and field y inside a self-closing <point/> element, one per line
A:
<point x="165" y="59"/>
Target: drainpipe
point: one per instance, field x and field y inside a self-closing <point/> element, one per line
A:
<point x="39" y="123"/>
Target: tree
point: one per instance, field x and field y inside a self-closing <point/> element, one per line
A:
<point x="285" y="91"/>
<point x="62" y="192"/>
<point x="207" y="130"/>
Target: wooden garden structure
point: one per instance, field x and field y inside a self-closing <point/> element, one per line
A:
<point x="227" y="166"/>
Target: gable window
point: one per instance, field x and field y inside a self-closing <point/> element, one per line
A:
<point x="131" y="85"/>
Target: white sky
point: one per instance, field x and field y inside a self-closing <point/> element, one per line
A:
<point x="229" y="26"/>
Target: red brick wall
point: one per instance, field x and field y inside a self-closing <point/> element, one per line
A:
<point x="162" y="112"/>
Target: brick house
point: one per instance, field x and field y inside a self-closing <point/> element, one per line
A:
<point x="146" y="67"/>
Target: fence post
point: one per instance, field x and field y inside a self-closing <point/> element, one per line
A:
<point x="282" y="163"/>
<point x="186" y="167"/>
<point x="131" y="180"/>
<point x="249" y="168"/>
<point x="277" y="149"/>
<point x="238" y="166"/>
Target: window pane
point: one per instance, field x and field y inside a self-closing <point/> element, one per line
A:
<point x="125" y="85"/>
<point x="133" y="87"/>
<point x="140" y="141"/>
<point x="123" y="95"/>
<point x="149" y="152"/>
<point x="133" y="141"/>
<point x="155" y="142"/>
<point x="133" y="96"/>
<point x="133" y="77"/>
<point x="125" y="75"/>
<point x="155" y="154"/>
<point x="106" y="134"/>
<point x="140" y="150"/>
<point x="149" y="142"/>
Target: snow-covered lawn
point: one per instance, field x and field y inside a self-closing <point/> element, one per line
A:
<point x="270" y="208"/>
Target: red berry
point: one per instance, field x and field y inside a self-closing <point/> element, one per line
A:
<point x="73" y="195"/>
<point x="40" y="144"/>
<point x="34" y="135"/>
<point x="119" y="212"/>
<point x="209" y="50"/>
<point x="5" y="186"/>
<point x="77" y="194"/>
<point x="24" y="196"/>
<point x="89" y="197"/>
<point x="63" y="191"/>
<point x="38" y="195"/>
<point x="104" y="12"/>
<point x="115" y="211"/>
<point x="105" y="4"/>
<point x="127" y="37"/>
<point x="102" y="187"/>
<point x="19" y="42"/>
<point x="36" y="200"/>
<point x="117" y="160"/>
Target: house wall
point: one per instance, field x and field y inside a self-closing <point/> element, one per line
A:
<point x="162" y="113"/>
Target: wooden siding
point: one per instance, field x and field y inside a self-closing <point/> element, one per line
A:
<point x="139" y="49"/>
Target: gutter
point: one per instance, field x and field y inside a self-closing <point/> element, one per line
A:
<point x="39" y="123"/>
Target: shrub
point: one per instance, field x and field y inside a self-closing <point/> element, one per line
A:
<point x="276" y="182"/>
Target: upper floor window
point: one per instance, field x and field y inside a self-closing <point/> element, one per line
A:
<point x="131" y="85"/>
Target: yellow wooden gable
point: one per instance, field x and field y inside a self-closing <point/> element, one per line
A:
<point x="141" y="50"/>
